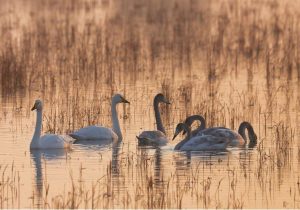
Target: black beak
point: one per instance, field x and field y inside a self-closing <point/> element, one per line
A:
<point x="125" y="101"/>
<point x="33" y="108"/>
<point x="174" y="136"/>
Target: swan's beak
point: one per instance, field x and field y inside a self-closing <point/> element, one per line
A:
<point x="174" y="136"/>
<point x="125" y="101"/>
<point x="33" y="108"/>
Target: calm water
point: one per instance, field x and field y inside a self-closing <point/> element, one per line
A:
<point x="234" y="177"/>
<point x="122" y="174"/>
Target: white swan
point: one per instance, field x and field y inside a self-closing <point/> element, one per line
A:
<point x="156" y="137"/>
<point x="196" y="143"/>
<point x="95" y="132"/>
<point x="236" y="138"/>
<point x="48" y="141"/>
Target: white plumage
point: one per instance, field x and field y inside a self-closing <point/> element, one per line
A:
<point x="95" y="132"/>
<point x="53" y="141"/>
<point x="48" y="141"/>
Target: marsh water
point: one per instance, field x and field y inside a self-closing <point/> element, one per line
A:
<point x="76" y="81"/>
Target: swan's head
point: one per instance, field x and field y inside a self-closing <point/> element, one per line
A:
<point x="251" y="134"/>
<point x="161" y="98"/>
<point x="179" y="128"/>
<point x="38" y="105"/>
<point x="118" y="98"/>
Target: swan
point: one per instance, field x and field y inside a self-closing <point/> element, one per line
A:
<point x="235" y="138"/>
<point x="196" y="143"/>
<point x="191" y="119"/>
<point x="48" y="141"/>
<point x="156" y="137"/>
<point x="95" y="132"/>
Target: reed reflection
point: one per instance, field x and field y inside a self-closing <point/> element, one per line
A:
<point x="116" y="183"/>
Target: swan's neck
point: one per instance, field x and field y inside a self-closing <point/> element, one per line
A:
<point x="38" y="129"/>
<point x="201" y="127"/>
<point x="115" y="120"/>
<point x="242" y="131"/>
<point x="159" y="124"/>
<point x="203" y="124"/>
<point x="186" y="139"/>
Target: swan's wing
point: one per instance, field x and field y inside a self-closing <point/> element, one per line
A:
<point x="152" y="138"/>
<point x="234" y="137"/>
<point x="94" y="133"/>
<point x="152" y="134"/>
<point x="67" y="139"/>
<point x="219" y="132"/>
<point x="209" y="131"/>
<point x="206" y="142"/>
<point x="206" y="139"/>
<point x="52" y="141"/>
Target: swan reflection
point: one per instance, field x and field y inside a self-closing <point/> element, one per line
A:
<point x="37" y="157"/>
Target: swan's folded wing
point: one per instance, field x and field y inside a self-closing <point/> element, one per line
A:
<point x="94" y="133"/>
<point x="67" y="139"/>
<point x="152" y="135"/>
<point x="219" y="132"/>
<point x="53" y="141"/>
<point x="205" y="142"/>
<point x="152" y="138"/>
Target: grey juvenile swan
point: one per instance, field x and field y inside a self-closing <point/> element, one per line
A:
<point x="199" y="143"/>
<point x="191" y="119"/>
<point x="156" y="137"/>
<point x="235" y="138"/>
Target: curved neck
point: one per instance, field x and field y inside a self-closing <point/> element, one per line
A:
<point x="38" y="129"/>
<point x="115" y="120"/>
<point x="194" y="118"/>
<point x="187" y="138"/>
<point x="159" y="124"/>
<point x="242" y="131"/>
<point x="203" y="123"/>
